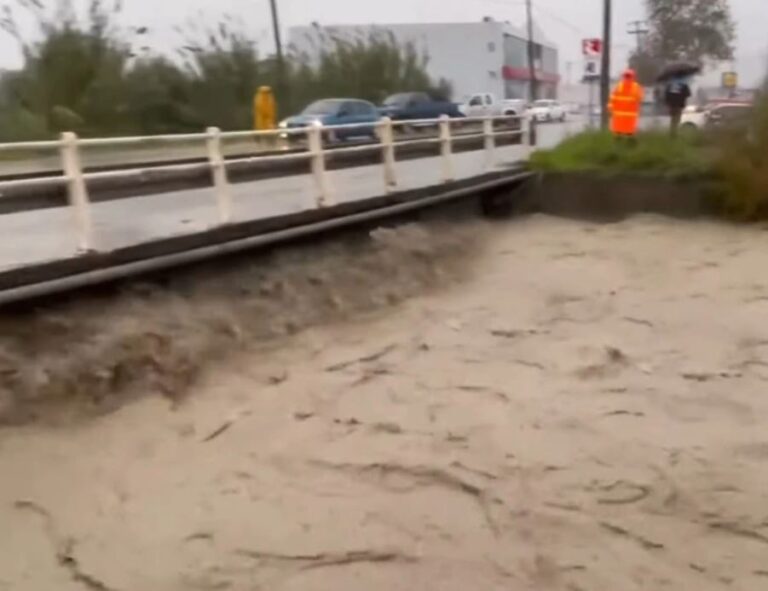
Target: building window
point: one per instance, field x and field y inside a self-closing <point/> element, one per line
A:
<point x="549" y="60"/>
<point x="491" y="47"/>
<point x="515" y="52"/>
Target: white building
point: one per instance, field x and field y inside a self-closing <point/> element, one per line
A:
<point x="486" y="56"/>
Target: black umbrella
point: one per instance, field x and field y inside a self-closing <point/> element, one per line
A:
<point x="678" y="70"/>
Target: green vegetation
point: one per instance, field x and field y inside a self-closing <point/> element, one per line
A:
<point x="741" y="168"/>
<point x="84" y="73"/>
<point x="733" y="161"/>
<point x="684" y="30"/>
<point x="370" y="69"/>
<point x="649" y="153"/>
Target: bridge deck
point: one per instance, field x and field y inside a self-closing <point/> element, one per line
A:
<point x="48" y="235"/>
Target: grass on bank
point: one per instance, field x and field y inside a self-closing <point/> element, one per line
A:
<point x="649" y="153"/>
<point x="733" y="163"/>
<point x="741" y="168"/>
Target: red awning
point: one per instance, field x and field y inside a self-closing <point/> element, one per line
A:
<point x="510" y="73"/>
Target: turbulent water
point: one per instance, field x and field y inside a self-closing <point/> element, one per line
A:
<point x="550" y="406"/>
<point x="91" y="354"/>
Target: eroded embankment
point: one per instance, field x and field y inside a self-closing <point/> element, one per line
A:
<point x="94" y="352"/>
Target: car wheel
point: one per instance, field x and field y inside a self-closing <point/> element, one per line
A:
<point x="562" y="118"/>
<point x="514" y="124"/>
<point x="331" y="137"/>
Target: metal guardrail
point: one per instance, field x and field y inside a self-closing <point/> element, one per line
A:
<point x="76" y="178"/>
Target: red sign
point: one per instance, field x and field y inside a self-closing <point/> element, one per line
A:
<point x="592" y="47"/>
<point x="510" y="73"/>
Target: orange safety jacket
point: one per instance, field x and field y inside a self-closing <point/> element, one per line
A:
<point x="625" y="107"/>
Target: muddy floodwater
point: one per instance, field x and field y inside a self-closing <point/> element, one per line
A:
<point x="583" y="408"/>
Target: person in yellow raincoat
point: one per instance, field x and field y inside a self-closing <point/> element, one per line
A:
<point x="264" y="109"/>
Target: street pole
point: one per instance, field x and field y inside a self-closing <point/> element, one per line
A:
<point x="605" y="74"/>
<point x="638" y="29"/>
<point x="533" y="84"/>
<point x="282" y="87"/>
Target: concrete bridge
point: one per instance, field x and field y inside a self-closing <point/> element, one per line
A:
<point x="115" y="207"/>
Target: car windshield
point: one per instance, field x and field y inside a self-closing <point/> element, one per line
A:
<point x="326" y="107"/>
<point x="542" y="103"/>
<point x="397" y="100"/>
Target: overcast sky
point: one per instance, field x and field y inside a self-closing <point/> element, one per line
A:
<point x="566" y="22"/>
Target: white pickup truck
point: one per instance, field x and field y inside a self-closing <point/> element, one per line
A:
<point x="485" y="104"/>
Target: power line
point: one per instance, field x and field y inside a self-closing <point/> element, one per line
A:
<point x="548" y="11"/>
<point x="561" y="20"/>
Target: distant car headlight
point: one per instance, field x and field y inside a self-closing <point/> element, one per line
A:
<point x="283" y="124"/>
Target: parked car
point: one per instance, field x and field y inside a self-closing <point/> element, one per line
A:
<point x="573" y="108"/>
<point x="716" y="115"/>
<point x="485" y="104"/>
<point x="547" y="110"/>
<point x="406" y="106"/>
<point x="338" y="112"/>
<point x="693" y="118"/>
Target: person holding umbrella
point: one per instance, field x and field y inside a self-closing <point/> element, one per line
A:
<point x="677" y="91"/>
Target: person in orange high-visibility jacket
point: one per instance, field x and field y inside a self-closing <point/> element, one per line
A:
<point x="625" y="105"/>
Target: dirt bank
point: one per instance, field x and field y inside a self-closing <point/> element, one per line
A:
<point x="587" y="413"/>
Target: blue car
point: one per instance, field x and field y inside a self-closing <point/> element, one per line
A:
<point x="338" y="112"/>
<point x="417" y="105"/>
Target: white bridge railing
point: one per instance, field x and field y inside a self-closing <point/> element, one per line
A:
<point x="75" y="177"/>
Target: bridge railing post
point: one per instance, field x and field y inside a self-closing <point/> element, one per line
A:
<point x="490" y="142"/>
<point x="446" y="149"/>
<point x="317" y="151"/>
<point x="77" y="191"/>
<point x="387" y="138"/>
<point x="219" y="174"/>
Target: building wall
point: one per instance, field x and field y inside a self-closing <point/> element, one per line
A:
<point x="473" y="57"/>
<point x="516" y="70"/>
<point x="467" y="55"/>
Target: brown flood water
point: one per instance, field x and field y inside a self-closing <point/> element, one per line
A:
<point x="583" y="411"/>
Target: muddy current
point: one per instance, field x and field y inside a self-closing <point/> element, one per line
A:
<point x="539" y="404"/>
<point x="61" y="361"/>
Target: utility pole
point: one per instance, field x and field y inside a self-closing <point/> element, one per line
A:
<point x="605" y="74"/>
<point x="282" y="87"/>
<point x="533" y="84"/>
<point x="638" y="29"/>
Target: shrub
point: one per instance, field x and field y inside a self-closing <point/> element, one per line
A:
<point x="83" y="73"/>
<point x="649" y="152"/>
<point x="741" y="168"/>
